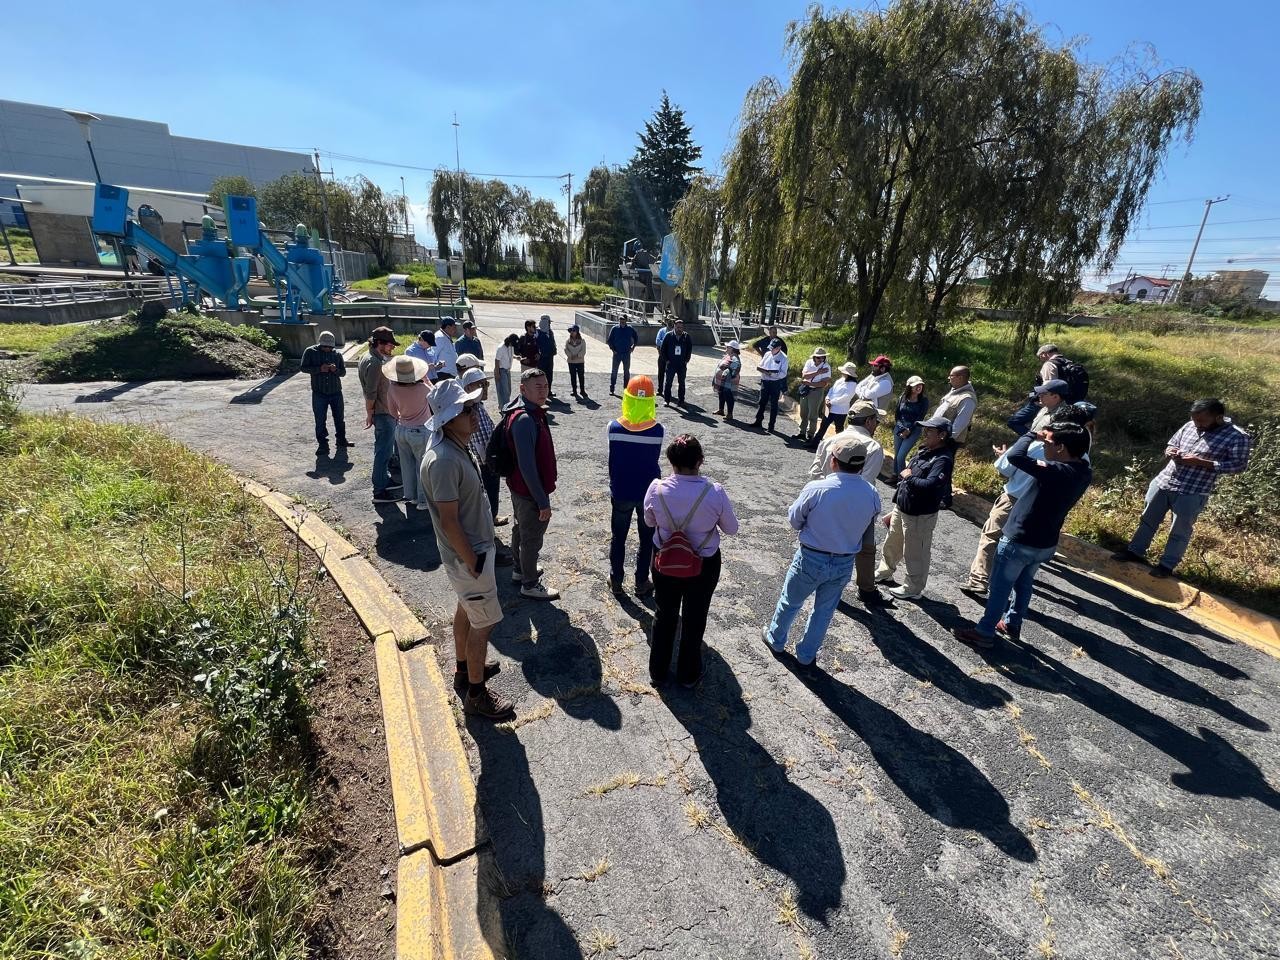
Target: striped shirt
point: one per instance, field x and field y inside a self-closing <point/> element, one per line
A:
<point x="484" y="430"/>
<point x="1226" y="445"/>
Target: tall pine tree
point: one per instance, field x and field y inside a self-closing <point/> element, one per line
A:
<point x="664" y="163"/>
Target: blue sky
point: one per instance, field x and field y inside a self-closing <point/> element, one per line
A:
<point x="545" y="89"/>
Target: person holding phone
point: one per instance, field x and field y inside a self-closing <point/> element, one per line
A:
<point x="463" y="524"/>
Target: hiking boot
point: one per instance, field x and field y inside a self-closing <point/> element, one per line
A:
<point x="518" y="577"/>
<point x="871" y="598"/>
<point x="487" y="704"/>
<point x="975" y="591"/>
<point x="540" y="591"/>
<point x="972" y="638"/>
<point x="491" y="669"/>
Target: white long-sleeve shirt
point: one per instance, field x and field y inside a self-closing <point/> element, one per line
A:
<point x="773" y="367"/>
<point x="875" y="453"/>
<point x="874" y="388"/>
<point x="841" y="395"/>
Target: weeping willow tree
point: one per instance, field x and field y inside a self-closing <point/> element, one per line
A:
<point x="916" y="141"/>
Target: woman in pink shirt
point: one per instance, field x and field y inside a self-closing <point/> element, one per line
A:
<point x="407" y="402"/>
<point x="699" y="508"/>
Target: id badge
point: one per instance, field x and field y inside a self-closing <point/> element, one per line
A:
<point x="677" y="351"/>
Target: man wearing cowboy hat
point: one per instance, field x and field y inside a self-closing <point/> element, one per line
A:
<point x="840" y="395"/>
<point x="327" y="368"/>
<point x="635" y="441"/>
<point x="814" y="377"/>
<point x="773" y="381"/>
<point x="878" y="384"/>
<point x="407" y="402"/>
<point x="382" y="345"/>
<point x="464" y="534"/>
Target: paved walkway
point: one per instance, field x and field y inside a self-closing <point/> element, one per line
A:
<point x="1107" y="788"/>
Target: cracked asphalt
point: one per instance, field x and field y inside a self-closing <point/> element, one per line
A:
<point x="1105" y="788"/>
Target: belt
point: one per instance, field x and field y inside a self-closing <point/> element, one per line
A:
<point x="826" y="553"/>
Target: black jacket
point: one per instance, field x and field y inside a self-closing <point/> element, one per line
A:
<point x="669" y="344"/>
<point x="928" y="489"/>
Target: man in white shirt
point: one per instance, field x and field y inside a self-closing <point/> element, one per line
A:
<point x="878" y="384"/>
<point x="814" y="378"/>
<point x="773" y="380"/>
<point x="864" y="418"/>
<point x="446" y="353"/>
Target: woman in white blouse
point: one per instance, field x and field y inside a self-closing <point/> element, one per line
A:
<point x="839" y="397"/>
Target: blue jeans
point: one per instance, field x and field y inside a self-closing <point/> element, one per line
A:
<point x="321" y="404"/>
<point x="1020" y="422"/>
<point x="620" y="524"/>
<point x="625" y="360"/>
<point x="384" y="442"/>
<point x="411" y="444"/>
<point x="902" y="448"/>
<point x="1014" y="573"/>
<point x="502" y="384"/>
<point x="1185" y="507"/>
<point x="811" y="573"/>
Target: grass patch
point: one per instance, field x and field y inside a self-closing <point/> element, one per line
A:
<point x="179" y="346"/>
<point x="35" y="337"/>
<point x="537" y="291"/>
<point x="154" y="668"/>
<point x="1143" y="384"/>
<point x="24" y="248"/>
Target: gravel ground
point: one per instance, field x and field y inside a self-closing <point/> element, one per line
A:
<point x="1106" y="788"/>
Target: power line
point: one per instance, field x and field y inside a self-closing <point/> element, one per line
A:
<point x="409" y="166"/>
<point x="1216" y="223"/>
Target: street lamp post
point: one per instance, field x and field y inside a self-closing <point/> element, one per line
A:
<point x="462" y="222"/>
<point x="84" y="118"/>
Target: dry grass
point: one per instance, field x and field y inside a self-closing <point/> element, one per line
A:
<point x="601" y="867"/>
<point x="697" y="815"/>
<point x="628" y="779"/>
<point x="600" y="942"/>
<point x="897" y="936"/>
<point x="789" y="911"/>
<point x="540" y="712"/>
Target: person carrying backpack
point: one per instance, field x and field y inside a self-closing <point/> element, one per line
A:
<point x="688" y="513"/>
<point x="1053" y="366"/>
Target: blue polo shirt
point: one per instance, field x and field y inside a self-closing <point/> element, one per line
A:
<point x="832" y="514"/>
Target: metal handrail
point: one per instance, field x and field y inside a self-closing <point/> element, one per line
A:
<point x="52" y="294"/>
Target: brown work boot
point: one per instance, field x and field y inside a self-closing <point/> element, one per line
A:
<point x="490" y="705"/>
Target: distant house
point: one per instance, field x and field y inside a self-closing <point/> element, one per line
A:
<point x="1152" y="289"/>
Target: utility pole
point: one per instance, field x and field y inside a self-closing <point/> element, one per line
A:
<point x="1186" y="277"/>
<point x="457" y="159"/>
<point x="568" y="219"/>
<point x="328" y="234"/>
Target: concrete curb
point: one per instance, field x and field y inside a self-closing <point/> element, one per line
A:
<point x="442" y="910"/>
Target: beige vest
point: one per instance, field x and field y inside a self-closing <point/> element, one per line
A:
<point x="950" y="406"/>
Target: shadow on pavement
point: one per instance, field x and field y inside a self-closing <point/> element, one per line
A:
<point x="333" y="469"/>
<point x="258" y="391"/>
<point x="782" y="826"/>
<point x="107" y="394"/>
<point x="1214" y="767"/>
<point x="937" y="778"/>
<point x="405" y="540"/>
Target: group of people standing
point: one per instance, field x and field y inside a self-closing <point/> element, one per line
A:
<point x="453" y="457"/>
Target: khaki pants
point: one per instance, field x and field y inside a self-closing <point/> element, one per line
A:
<point x="811" y="408"/>
<point x="988" y="540"/>
<point x="910" y="539"/>
<point x="864" y="564"/>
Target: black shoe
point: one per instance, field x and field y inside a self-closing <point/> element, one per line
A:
<point x="644" y="588"/>
<point x="460" y="681"/>
<point x="344" y="442"/>
<point x="1161" y="572"/>
<point x="385" y="496"/>
<point x="1127" y="556"/>
<point x="758" y="425"/>
<point x="872" y="598"/>
<point x="615" y="585"/>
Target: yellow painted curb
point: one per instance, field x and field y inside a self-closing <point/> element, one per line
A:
<point x="431" y="785"/>
<point x="429" y="927"/>
<point x="379" y="608"/>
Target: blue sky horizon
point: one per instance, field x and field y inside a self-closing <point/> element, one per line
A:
<point x="538" y="94"/>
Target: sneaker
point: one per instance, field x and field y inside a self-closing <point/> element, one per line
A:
<point x="886" y="577"/>
<point x="644" y="588"/>
<point x="972" y="638"/>
<point x="902" y="593"/>
<point x="540" y="591"/>
<point x="491" y="669"/>
<point x="615" y="586"/>
<point x="487" y="704"/>
<point x="1161" y="572"/>
<point x="518" y="577"/>
<point x="501" y="521"/>
<point x="764" y="635"/>
<point x="1003" y="631"/>
<point x="385" y="496"/>
<point x="1126" y="556"/>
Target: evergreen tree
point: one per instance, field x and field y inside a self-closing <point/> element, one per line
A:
<point x="664" y="163"/>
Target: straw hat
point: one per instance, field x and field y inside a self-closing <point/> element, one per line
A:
<point x="405" y="370"/>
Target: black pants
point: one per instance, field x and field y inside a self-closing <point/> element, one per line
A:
<point x="547" y="367"/>
<point x="578" y="378"/>
<point x="837" y="418"/>
<point x="727" y="399"/>
<point x="770" y="391"/>
<point x="662" y="371"/>
<point x="1020" y="422"/>
<point x="674" y="370"/>
<point x="683" y="600"/>
<point x="492" y="484"/>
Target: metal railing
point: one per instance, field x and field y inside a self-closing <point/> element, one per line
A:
<point x="87" y="291"/>
<point x="633" y="308"/>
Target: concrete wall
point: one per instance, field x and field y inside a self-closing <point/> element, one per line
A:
<point x="69" y="312"/>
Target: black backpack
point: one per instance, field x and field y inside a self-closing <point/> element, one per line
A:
<point x="1075" y="376"/>
<point x="499" y="455"/>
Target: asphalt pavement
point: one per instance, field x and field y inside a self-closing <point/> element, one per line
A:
<point x="1105" y="788"/>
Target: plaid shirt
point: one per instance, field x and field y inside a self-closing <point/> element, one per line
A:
<point x="1227" y="446"/>
<point x="484" y="430"/>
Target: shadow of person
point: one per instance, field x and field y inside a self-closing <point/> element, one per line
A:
<point x="782" y="825"/>
<point x="405" y="540"/>
<point x="1214" y="766"/>
<point x="1142" y="668"/>
<point x="934" y="776"/>
<point x="559" y="661"/>
<point x="333" y="469"/>
<point x="508" y="798"/>
<point x="258" y="392"/>
<point x="641" y="611"/>
<point x="107" y="394"/>
<point x="916" y="656"/>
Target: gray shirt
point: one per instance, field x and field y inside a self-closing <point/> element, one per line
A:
<point x="449" y="473"/>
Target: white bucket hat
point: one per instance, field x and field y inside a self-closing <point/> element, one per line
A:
<point x="473" y="376"/>
<point x="447" y="399"/>
<point x="406" y="369"/>
<point x="849" y="369"/>
<point x="733" y="345"/>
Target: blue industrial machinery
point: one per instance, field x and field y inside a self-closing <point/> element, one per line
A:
<point x="209" y="267"/>
<point x="304" y="282"/>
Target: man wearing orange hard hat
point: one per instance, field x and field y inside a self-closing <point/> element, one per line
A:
<point x="635" y="441"/>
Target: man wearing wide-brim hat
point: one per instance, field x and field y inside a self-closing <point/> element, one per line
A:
<point x="814" y="378"/>
<point x="407" y="402"/>
<point x="463" y="525"/>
